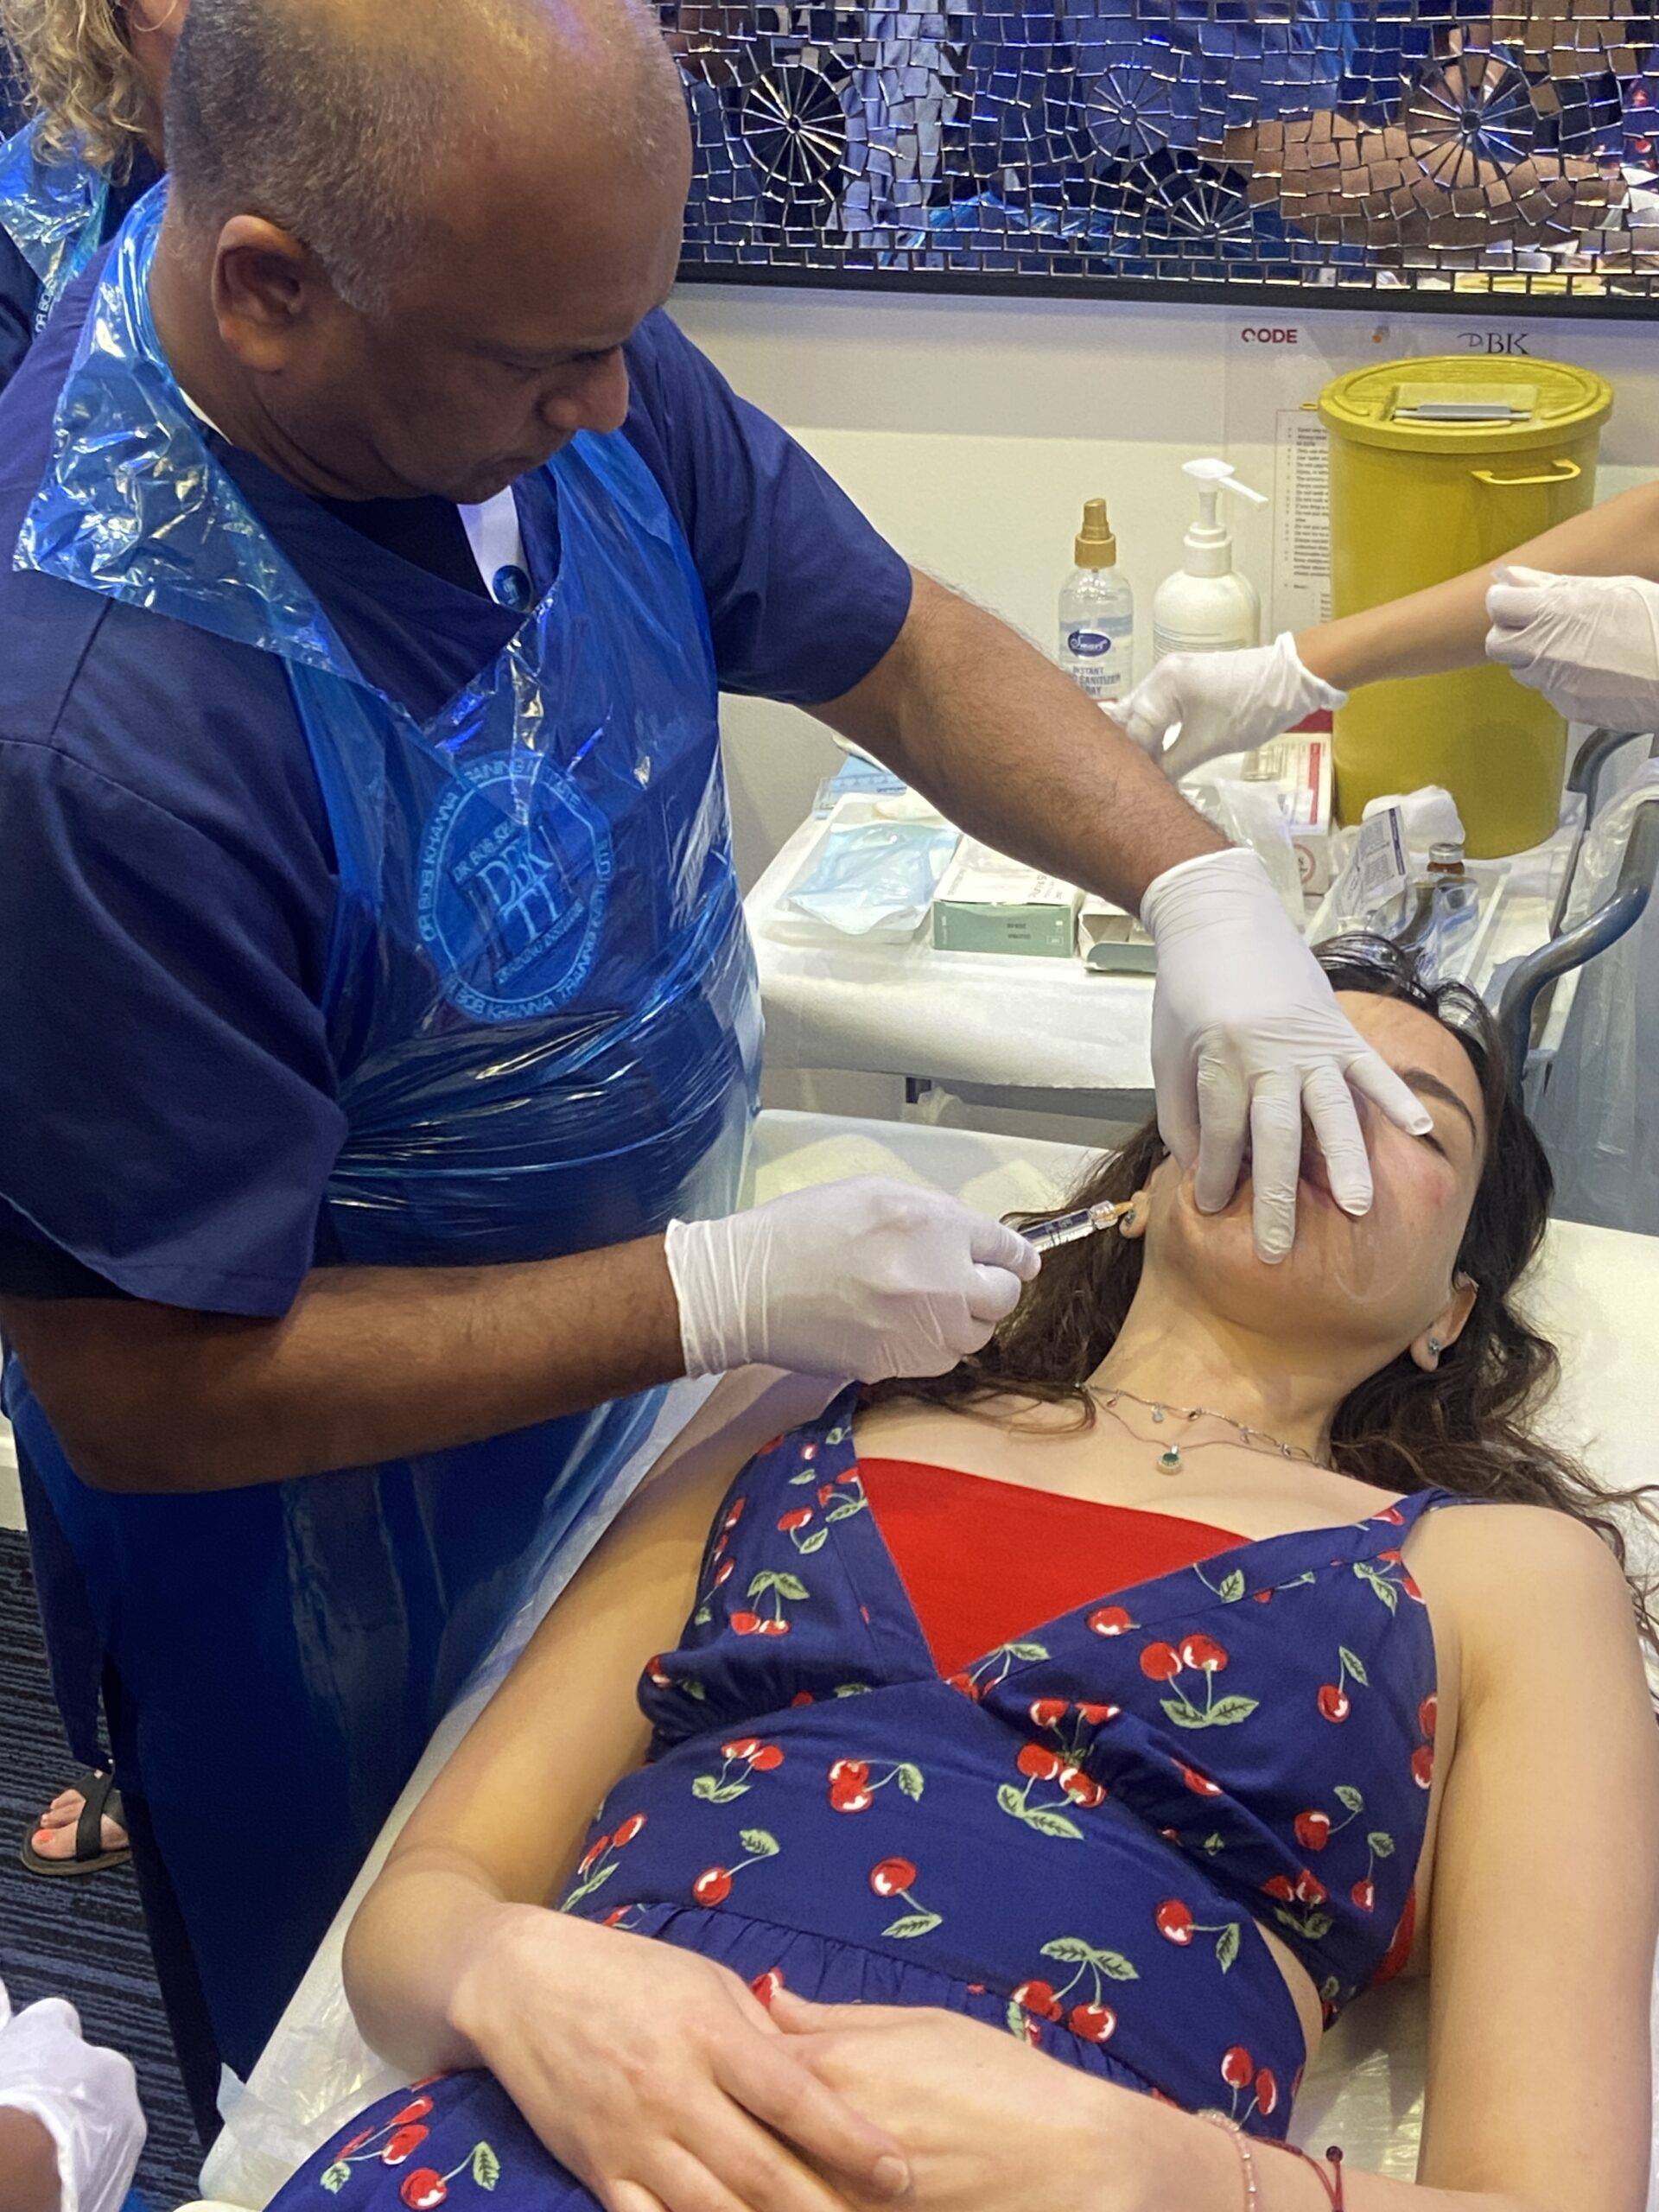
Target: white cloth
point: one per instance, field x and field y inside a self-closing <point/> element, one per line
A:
<point x="492" y="532"/>
<point x="1222" y="702"/>
<point x="85" y="2097"/>
<point x="1590" y="644"/>
<point x="868" y="1278"/>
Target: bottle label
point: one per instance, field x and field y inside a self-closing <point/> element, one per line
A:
<point x="1164" y="642"/>
<point x="1097" y="660"/>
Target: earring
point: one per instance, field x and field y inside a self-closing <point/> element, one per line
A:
<point x="1435" y="1346"/>
<point x="1126" y="1219"/>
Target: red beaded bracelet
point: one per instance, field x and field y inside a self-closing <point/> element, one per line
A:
<point x="1330" y="2183"/>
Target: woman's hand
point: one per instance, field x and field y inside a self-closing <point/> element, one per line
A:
<point x="989" y="2125"/>
<point x="658" y="2079"/>
<point x="1223" y="702"/>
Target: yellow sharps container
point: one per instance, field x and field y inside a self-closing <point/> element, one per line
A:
<point x="1437" y="466"/>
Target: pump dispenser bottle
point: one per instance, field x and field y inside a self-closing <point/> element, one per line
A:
<point x="1206" y="606"/>
<point x="1096" y="640"/>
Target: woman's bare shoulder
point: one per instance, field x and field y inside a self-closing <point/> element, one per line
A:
<point x="1506" y="1568"/>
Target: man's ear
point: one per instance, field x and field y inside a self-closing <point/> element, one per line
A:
<point x="266" y="288"/>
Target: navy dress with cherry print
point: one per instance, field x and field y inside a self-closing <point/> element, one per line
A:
<point x="1077" y="1838"/>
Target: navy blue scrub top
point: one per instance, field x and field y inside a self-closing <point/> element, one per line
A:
<point x="166" y="881"/>
<point x="20" y="287"/>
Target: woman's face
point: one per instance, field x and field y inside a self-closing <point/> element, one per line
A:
<point x="1374" y="1284"/>
<point x="153" y="28"/>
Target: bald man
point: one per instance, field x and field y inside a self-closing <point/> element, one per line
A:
<point x="379" y="1029"/>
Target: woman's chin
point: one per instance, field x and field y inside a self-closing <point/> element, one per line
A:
<point x="1337" y="1261"/>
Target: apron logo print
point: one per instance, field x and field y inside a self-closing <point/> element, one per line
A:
<point x="513" y="910"/>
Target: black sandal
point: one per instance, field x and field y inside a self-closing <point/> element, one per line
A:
<point x="102" y="1798"/>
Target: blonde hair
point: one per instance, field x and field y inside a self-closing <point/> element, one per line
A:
<point x="80" y="77"/>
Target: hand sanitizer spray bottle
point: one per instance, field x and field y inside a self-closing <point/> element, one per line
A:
<point x="1207" y="607"/>
<point x="1096" y="646"/>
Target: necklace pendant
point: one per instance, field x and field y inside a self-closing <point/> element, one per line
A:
<point x="1170" y="1461"/>
<point x="1157" y="1413"/>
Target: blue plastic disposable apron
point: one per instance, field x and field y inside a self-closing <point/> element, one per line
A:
<point x="52" y="211"/>
<point x="545" y="1020"/>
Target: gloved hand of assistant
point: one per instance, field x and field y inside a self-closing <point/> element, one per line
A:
<point x="869" y="1277"/>
<point x="1223" y="703"/>
<point x="1247" y="1038"/>
<point x="86" y="2099"/>
<point x="1590" y="644"/>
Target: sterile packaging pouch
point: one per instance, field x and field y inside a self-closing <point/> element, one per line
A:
<point x="1298" y="769"/>
<point x="870" y="876"/>
<point x="1428" y="816"/>
<point x="858" y="777"/>
<point x="1252" y="814"/>
<point x="1372" y="894"/>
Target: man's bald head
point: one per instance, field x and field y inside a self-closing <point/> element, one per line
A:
<point x="409" y="240"/>
<point x="358" y="126"/>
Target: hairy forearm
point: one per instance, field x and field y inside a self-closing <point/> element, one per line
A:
<point x="369" y="1363"/>
<point x="1444" y="627"/>
<point x="974" y="716"/>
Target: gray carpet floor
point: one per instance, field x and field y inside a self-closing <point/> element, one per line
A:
<point x="83" y="1940"/>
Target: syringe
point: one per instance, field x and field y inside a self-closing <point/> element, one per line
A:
<point x="1054" y="1230"/>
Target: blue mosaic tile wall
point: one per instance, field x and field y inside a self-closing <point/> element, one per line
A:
<point x="1209" y="145"/>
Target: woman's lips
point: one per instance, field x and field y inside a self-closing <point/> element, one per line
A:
<point x="1311" y="1169"/>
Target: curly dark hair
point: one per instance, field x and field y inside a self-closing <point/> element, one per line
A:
<point x="1466" y="1428"/>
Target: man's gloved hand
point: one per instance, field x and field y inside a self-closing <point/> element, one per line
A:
<point x="1590" y="644"/>
<point x="1247" y="1038"/>
<point x="85" y="2097"/>
<point x="1224" y="702"/>
<point x="870" y="1278"/>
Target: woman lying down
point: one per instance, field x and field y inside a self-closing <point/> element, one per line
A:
<point x="1214" y="1646"/>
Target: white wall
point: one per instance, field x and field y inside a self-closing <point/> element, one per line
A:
<point x="970" y="431"/>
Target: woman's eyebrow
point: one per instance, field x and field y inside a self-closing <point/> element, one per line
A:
<point x="1433" y="1086"/>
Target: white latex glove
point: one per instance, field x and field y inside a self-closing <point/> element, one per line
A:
<point x="86" y="2098"/>
<point x="1221" y="703"/>
<point x="869" y="1277"/>
<point x="1590" y="644"/>
<point x="1247" y="1038"/>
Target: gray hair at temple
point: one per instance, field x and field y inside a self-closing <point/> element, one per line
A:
<point x="342" y="120"/>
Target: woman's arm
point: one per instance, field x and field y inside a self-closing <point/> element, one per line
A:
<point x="654" y="2075"/>
<point x="1446" y="627"/>
<point x="504" y="1821"/>
<point x="1546" y="1897"/>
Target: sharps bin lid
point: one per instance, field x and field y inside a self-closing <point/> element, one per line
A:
<point x="1454" y="404"/>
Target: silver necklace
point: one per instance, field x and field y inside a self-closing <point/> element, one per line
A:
<point x="1170" y="1458"/>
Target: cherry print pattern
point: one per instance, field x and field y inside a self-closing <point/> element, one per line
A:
<point x="802" y="1678"/>
<point x="896" y="1877"/>
<point x="743" y="1757"/>
<point x="424" y="2189"/>
<point x="1076" y="1733"/>
<point x="853" y="1787"/>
